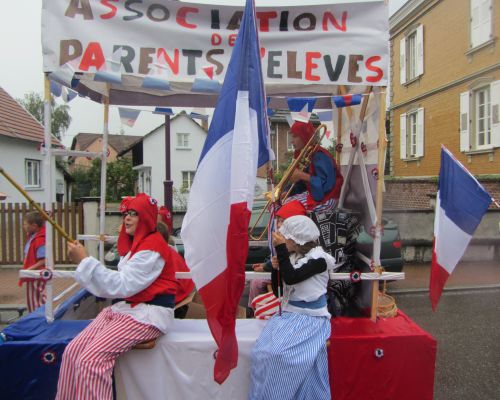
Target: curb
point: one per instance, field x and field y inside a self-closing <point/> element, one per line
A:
<point x="452" y="289"/>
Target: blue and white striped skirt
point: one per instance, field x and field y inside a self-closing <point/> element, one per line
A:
<point x="289" y="359"/>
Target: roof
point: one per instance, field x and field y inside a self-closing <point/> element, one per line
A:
<point x="118" y="142"/>
<point x="280" y="115"/>
<point x="18" y="123"/>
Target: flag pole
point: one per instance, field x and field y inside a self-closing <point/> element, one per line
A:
<point x="35" y="205"/>
<point x="339" y="127"/>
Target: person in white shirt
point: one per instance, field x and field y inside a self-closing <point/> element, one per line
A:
<point x="145" y="283"/>
<point x="290" y="356"/>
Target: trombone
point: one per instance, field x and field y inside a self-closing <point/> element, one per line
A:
<point x="283" y="189"/>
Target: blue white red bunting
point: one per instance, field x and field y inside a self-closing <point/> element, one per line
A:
<point x="347" y="100"/>
<point x="108" y="77"/>
<point x="163" y="110"/>
<point x="150" y="82"/>
<point x="204" y="85"/>
<point x="128" y="116"/>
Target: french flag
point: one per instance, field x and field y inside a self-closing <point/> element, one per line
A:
<point x="460" y="205"/>
<point x="215" y="227"/>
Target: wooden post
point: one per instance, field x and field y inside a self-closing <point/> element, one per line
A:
<point x="104" y="170"/>
<point x="382" y="145"/>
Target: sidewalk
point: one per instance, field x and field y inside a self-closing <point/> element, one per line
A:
<point x="465" y="275"/>
<point x="11" y="293"/>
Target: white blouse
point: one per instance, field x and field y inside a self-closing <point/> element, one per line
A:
<point x="310" y="289"/>
<point x="134" y="274"/>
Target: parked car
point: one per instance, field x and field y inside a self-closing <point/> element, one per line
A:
<point x="390" y="251"/>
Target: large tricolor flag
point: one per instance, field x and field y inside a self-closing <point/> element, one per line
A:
<point x="460" y="205"/>
<point x="215" y="227"/>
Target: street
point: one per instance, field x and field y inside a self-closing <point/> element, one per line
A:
<point x="466" y="326"/>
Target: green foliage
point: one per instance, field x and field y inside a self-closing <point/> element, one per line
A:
<point x="180" y="197"/>
<point x="120" y="180"/>
<point x="278" y="173"/>
<point x="33" y="103"/>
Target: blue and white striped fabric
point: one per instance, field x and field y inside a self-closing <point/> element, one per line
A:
<point x="290" y="361"/>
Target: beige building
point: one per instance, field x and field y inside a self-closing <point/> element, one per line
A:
<point x="92" y="142"/>
<point x="445" y="86"/>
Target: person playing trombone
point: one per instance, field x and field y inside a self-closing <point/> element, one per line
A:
<point x="318" y="186"/>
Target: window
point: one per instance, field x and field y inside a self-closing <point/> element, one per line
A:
<point x="144" y="180"/>
<point x="411" y="49"/>
<point x="187" y="179"/>
<point x="480" y="22"/>
<point x="183" y="140"/>
<point x="289" y="145"/>
<point x="32" y="173"/>
<point x="412" y="134"/>
<point x="482" y="112"/>
<point x="479" y="117"/>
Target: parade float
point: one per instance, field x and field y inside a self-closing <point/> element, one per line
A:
<point x="165" y="54"/>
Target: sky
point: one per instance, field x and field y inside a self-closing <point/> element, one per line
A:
<point x="22" y="72"/>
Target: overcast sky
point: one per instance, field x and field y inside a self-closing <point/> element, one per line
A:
<point x="22" y="72"/>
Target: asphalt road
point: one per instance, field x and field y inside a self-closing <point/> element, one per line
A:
<point x="466" y="326"/>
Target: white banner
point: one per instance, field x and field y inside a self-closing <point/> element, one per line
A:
<point x="315" y="44"/>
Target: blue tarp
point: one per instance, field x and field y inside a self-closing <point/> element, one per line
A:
<point x="31" y="357"/>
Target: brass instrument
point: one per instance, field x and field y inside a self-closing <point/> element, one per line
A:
<point x="301" y="162"/>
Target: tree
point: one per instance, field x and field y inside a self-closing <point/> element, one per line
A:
<point x="120" y="180"/>
<point x="33" y="103"/>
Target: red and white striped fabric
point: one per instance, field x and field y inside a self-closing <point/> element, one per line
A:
<point x="88" y="360"/>
<point x="265" y="305"/>
<point x="35" y="294"/>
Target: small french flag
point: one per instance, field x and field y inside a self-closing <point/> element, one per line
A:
<point x="460" y="205"/>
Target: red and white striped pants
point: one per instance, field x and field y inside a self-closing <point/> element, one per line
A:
<point x="88" y="361"/>
<point x="35" y="294"/>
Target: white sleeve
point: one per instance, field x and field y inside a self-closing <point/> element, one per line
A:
<point x="134" y="275"/>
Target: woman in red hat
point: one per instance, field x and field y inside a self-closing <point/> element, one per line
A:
<point x="318" y="188"/>
<point x="145" y="280"/>
<point x="259" y="286"/>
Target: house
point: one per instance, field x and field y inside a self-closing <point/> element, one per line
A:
<point x="92" y="142"/>
<point x="281" y="143"/>
<point x="445" y="90"/>
<point x="445" y="86"/>
<point x="148" y="158"/>
<point x="21" y="138"/>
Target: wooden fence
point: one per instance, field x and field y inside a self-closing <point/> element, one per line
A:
<point x="12" y="238"/>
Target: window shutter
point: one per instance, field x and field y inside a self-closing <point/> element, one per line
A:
<point x="420" y="50"/>
<point x="485" y="21"/>
<point x="420" y="132"/>
<point x="495" y="113"/>
<point x="402" y="127"/>
<point x="474" y="23"/>
<point x="464" y="121"/>
<point x="402" y="61"/>
<point x="480" y="25"/>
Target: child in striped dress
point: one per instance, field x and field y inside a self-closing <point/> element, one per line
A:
<point x="289" y="359"/>
<point x="34" y="259"/>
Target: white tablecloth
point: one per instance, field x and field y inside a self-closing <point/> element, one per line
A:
<point x="180" y="366"/>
